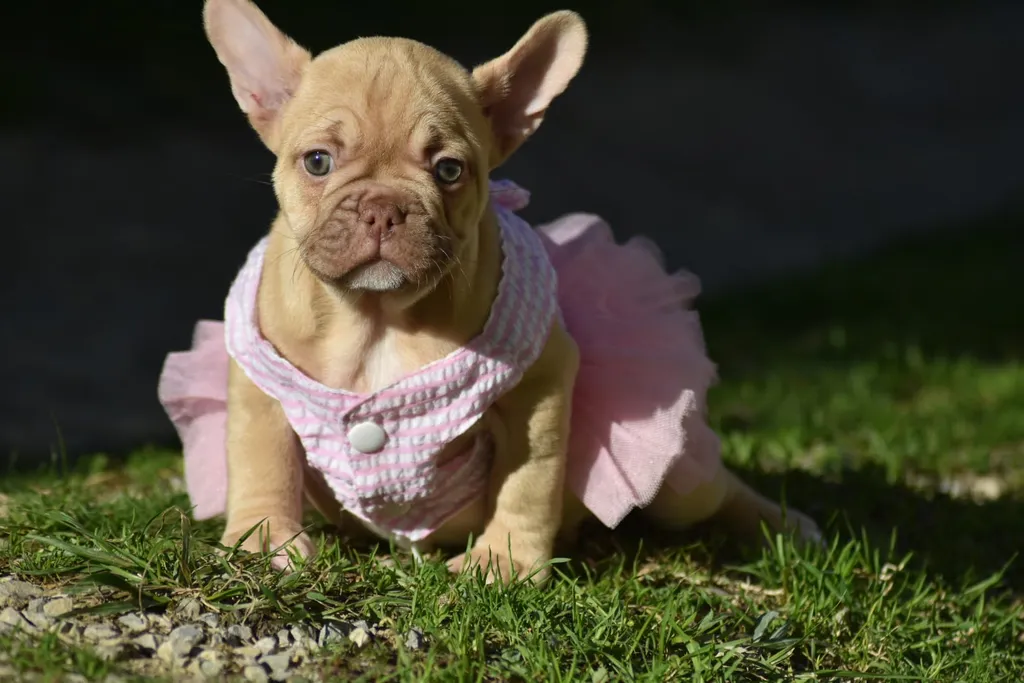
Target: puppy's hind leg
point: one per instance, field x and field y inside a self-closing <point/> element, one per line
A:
<point x="731" y="501"/>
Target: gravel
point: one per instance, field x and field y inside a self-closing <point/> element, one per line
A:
<point x="133" y="623"/>
<point x="13" y="591"/>
<point x="414" y="639"/>
<point x="188" y="641"/>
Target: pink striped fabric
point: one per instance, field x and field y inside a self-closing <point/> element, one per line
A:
<point x="400" y="488"/>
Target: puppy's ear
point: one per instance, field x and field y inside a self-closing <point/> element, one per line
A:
<point x="516" y="88"/>
<point x="264" y="65"/>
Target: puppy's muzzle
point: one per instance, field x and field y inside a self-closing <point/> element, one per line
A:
<point x="380" y="217"/>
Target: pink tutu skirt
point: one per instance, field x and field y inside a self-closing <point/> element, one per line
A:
<point x="639" y="416"/>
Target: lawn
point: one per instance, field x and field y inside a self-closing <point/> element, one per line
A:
<point x="885" y="397"/>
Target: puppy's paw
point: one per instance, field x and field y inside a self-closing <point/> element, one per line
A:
<point x="498" y="566"/>
<point x="277" y="536"/>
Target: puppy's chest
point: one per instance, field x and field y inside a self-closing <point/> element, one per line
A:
<point x="385" y="363"/>
<point x="364" y="368"/>
<point x="361" y="369"/>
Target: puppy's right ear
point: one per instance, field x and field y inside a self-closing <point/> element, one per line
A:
<point x="264" y="65"/>
<point x="517" y="88"/>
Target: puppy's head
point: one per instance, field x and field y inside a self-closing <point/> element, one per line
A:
<point x="384" y="145"/>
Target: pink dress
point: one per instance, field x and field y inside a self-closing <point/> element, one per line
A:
<point x="638" y="418"/>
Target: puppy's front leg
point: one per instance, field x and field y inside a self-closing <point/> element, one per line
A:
<point x="525" y="493"/>
<point x="265" y="464"/>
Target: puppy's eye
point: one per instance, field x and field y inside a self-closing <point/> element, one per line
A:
<point x="318" y="163"/>
<point x="448" y="171"/>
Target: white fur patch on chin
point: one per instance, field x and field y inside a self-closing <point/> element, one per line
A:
<point x="379" y="276"/>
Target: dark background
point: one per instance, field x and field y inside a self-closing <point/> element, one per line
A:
<point x="750" y="139"/>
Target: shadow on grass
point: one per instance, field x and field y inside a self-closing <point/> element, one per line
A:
<point x="935" y="328"/>
<point x="957" y="539"/>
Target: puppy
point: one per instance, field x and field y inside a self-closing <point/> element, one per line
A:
<point x="401" y="350"/>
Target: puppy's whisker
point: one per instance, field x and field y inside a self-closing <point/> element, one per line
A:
<point x="457" y="264"/>
<point x="308" y="235"/>
<point x="259" y="178"/>
<point x="300" y="248"/>
<point x="440" y="275"/>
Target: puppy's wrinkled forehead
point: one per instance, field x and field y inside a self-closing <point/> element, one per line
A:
<point x="386" y="95"/>
<point x="382" y="91"/>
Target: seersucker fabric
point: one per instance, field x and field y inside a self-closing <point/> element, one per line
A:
<point x="400" y="487"/>
<point x="639" y="415"/>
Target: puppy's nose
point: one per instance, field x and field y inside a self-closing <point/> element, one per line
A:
<point x="381" y="217"/>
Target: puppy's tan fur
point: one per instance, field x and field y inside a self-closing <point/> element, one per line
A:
<point x="356" y="304"/>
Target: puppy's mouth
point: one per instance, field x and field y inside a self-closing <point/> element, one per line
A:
<point x="377" y="275"/>
<point x="344" y="254"/>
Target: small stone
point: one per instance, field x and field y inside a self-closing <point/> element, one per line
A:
<point x="303" y="635"/>
<point x="148" y="642"/>
<point x="329" y="633"/>
<point x="266" y="645"/>
<point x="256" y="674"/>
<point x="133" y="623"/>
<point x="110" y="651"/>
<point x="14" y="592"/>
<point x="172" y="656"/>
<point x="98" y="632"/>
<point x="184" y="639"/>
<point x="248" y="652"/>
<point x="58" y="607"/>
<point x="361" y="624"/>
<point x="160" y="622"/>
<point x="210" y="619"/>
<point x="284" y="638"/>
<point x="39" y="620"/>
<point x="189" y="608"/>
<point x="360" y="636"/>
<point x="208" y="664"/>
<point x="414" y="639"/>
<point x="237" y="634"/>
<point x="211" y="668"/>
<point x="278" y="664"/>
<point x="166" y="653"/>
<point x="36" y="605"/>
<point x="11" y="617"/>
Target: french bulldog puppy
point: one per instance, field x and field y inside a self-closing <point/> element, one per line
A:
<point x="403" y="351"/>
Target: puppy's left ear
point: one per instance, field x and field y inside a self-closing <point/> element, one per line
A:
<point x="517" y="88"/>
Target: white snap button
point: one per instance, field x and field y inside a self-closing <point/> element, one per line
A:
<point x="367" y="437"/>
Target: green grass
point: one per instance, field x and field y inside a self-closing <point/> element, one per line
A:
<point x="860" y="393"/>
